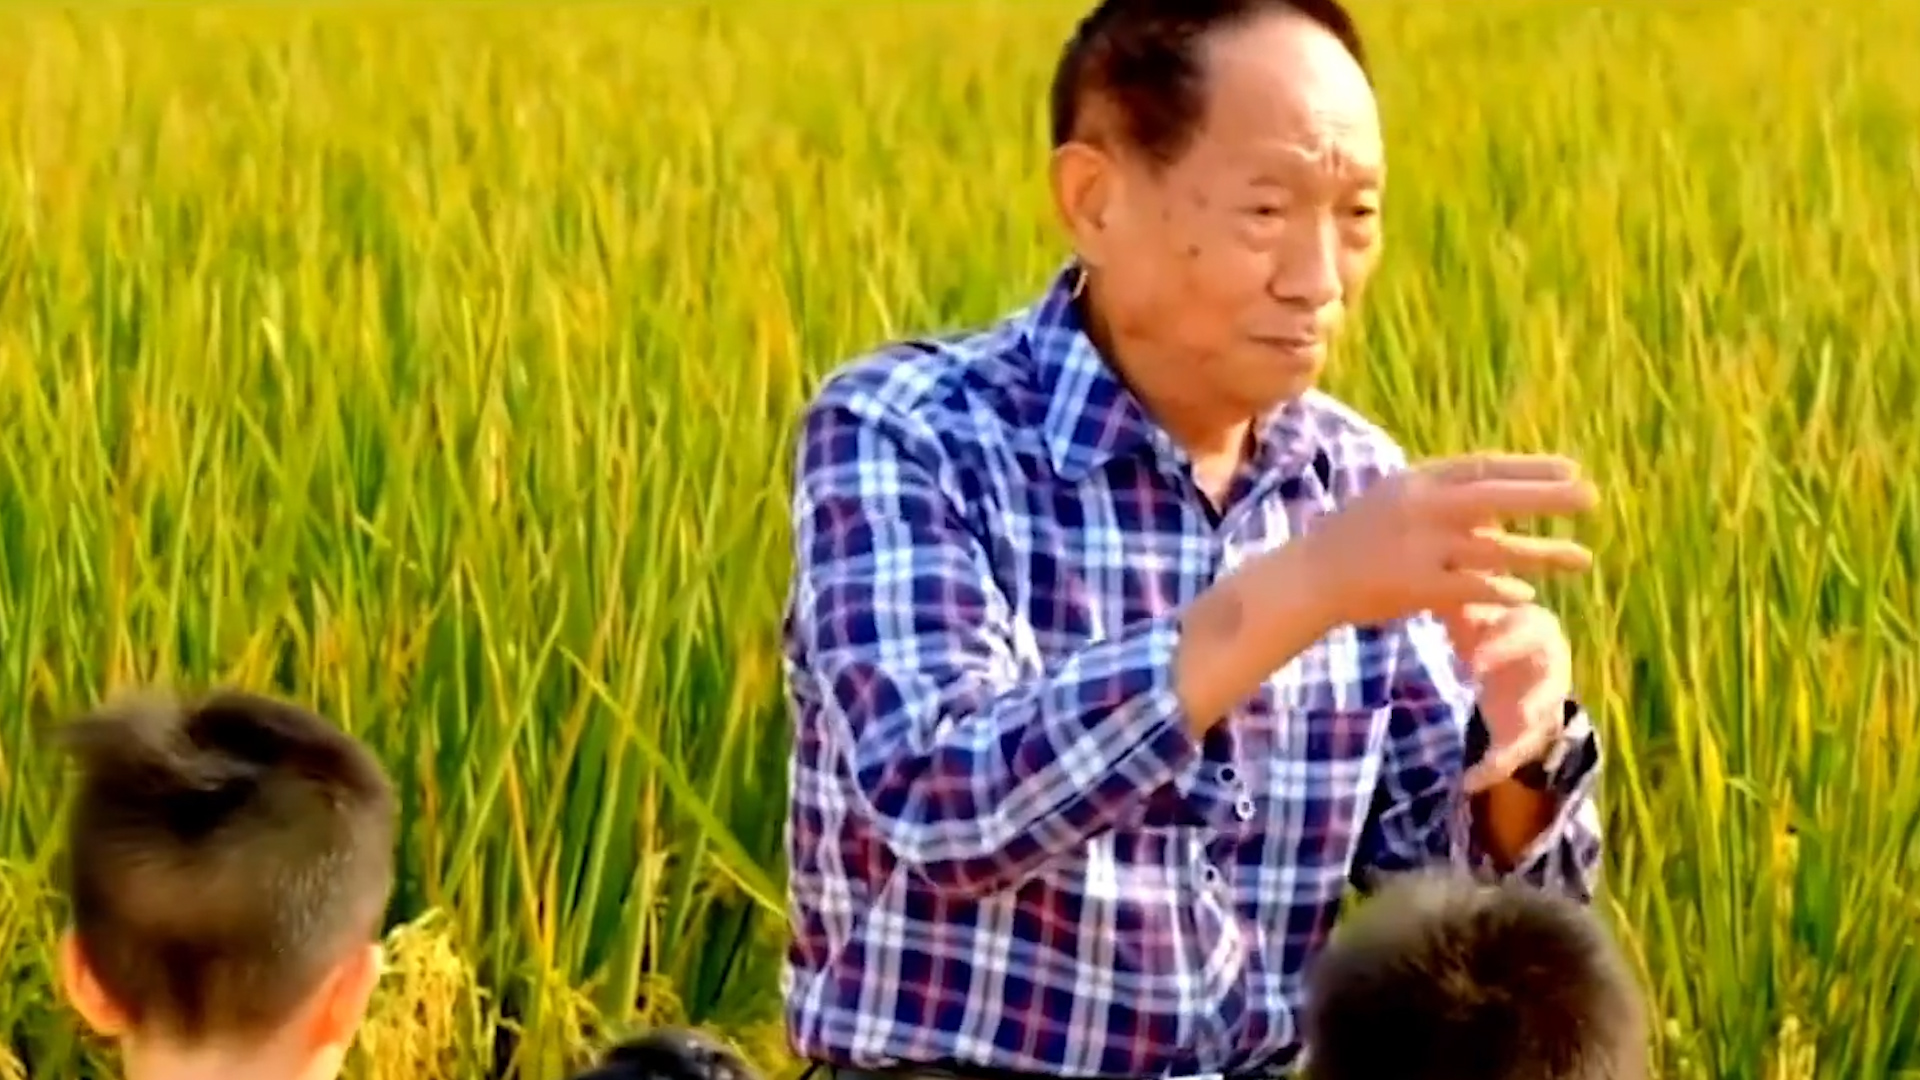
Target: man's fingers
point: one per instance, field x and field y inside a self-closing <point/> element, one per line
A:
<point x="1476" y="489"/>
<point x="1505" y="552"/>
<point x="1474" y="503"/>
<point x="1543" y="701"/>
<point x="1482" y="617"/>
<point x="1472" y="468"/>
<point x="1473" y="587"/>
<point x="1483" y="776"/>
<point x="1502" y="649"/>
<point x="1473" y="622"/>
<point x="1502" y="762"/>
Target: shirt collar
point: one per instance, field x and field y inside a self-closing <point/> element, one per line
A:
<point x="1090" y="417"/>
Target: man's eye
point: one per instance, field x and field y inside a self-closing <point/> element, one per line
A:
<point x="1363" y="212"/>
<point x="1269" y="210"/>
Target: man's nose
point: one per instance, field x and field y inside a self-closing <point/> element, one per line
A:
<point x="1306" y="265"/>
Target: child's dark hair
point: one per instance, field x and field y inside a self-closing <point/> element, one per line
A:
<point x="670" y="1054"/>
<point x="221" y="856"/>
<point x="1442" y="977"/>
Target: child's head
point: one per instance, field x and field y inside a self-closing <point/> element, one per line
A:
<point x="670" y="1054"/>
<point x="1441" y="977"/>
<point x="229" y="864"/>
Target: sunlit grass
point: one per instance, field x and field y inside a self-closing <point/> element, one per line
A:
<point x="438" y="367"/>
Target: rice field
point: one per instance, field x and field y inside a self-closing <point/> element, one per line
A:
<point x="437" y="365"/>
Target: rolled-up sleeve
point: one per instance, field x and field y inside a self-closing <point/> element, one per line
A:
<point x="1421" y="814"/>
<point x="974" y="768"/>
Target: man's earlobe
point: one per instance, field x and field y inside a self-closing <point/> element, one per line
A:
<point x="84" y="993"/>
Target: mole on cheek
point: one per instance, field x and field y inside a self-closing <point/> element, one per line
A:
<point x="1193" y="251"/>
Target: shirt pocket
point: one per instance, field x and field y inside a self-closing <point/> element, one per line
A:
<point x="1316" y="727"/>
<point x="1307" y="796"/>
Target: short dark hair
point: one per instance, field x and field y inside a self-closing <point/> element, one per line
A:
<point x="670" y="1054"/>
<point x="1444" y="977"/>
<point x="1142" y="60"/>
<point x="221" y="856"/>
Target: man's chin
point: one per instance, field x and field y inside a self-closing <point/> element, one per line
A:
<point x="1289" y="388"/>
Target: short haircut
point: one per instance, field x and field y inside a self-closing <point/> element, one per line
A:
<point x="222" y="856"/>
<point x="1143" y="61"/>
<point x="670" y="1054"/>
<point x="1442" y="977"/>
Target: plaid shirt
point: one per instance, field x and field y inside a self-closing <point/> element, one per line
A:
<point x="1005" y="849"/>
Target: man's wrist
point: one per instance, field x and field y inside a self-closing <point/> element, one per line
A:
<point x="1539" y="773"/>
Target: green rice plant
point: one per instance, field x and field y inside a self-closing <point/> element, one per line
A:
<point x="438" y="366"/>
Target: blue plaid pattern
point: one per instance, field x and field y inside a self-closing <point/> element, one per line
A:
<point x="1005" y="850"/>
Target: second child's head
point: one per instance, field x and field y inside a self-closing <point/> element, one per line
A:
<point x="229" y="863"/>
<point x="1442" y="977"/>
<point x="670" y="1054"/>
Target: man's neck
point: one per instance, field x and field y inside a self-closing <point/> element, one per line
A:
<point x="1216" y="440"/>
<point x="149" y="1062"/>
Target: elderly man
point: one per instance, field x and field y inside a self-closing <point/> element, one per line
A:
<point x="1116" y="650"/>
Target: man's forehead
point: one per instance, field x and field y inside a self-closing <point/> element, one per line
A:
<point x="1279" y="142"/>
<point x="1286" y="83"/>
<point x="1319" y="143"/>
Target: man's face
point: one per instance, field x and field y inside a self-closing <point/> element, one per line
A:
<point x="1239" y="260"/>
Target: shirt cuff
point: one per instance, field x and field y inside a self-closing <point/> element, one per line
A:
<point x="1570" y="782"/>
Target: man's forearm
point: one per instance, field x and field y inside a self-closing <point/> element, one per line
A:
<point x="974" y="815"/>
<point x="1243" y="629"/>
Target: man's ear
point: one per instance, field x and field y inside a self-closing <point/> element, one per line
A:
<point x="340" y="1002"/>
<point x="1089" y="195"/>
<point x="85" y="994"/>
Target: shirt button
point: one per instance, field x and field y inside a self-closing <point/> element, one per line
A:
<point x="1227" y="774"/>
<point x="1209" y="875"/>
<point x="1244" y="809"/>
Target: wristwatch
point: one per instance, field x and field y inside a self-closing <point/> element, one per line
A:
<point x="1535" y="775"/>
